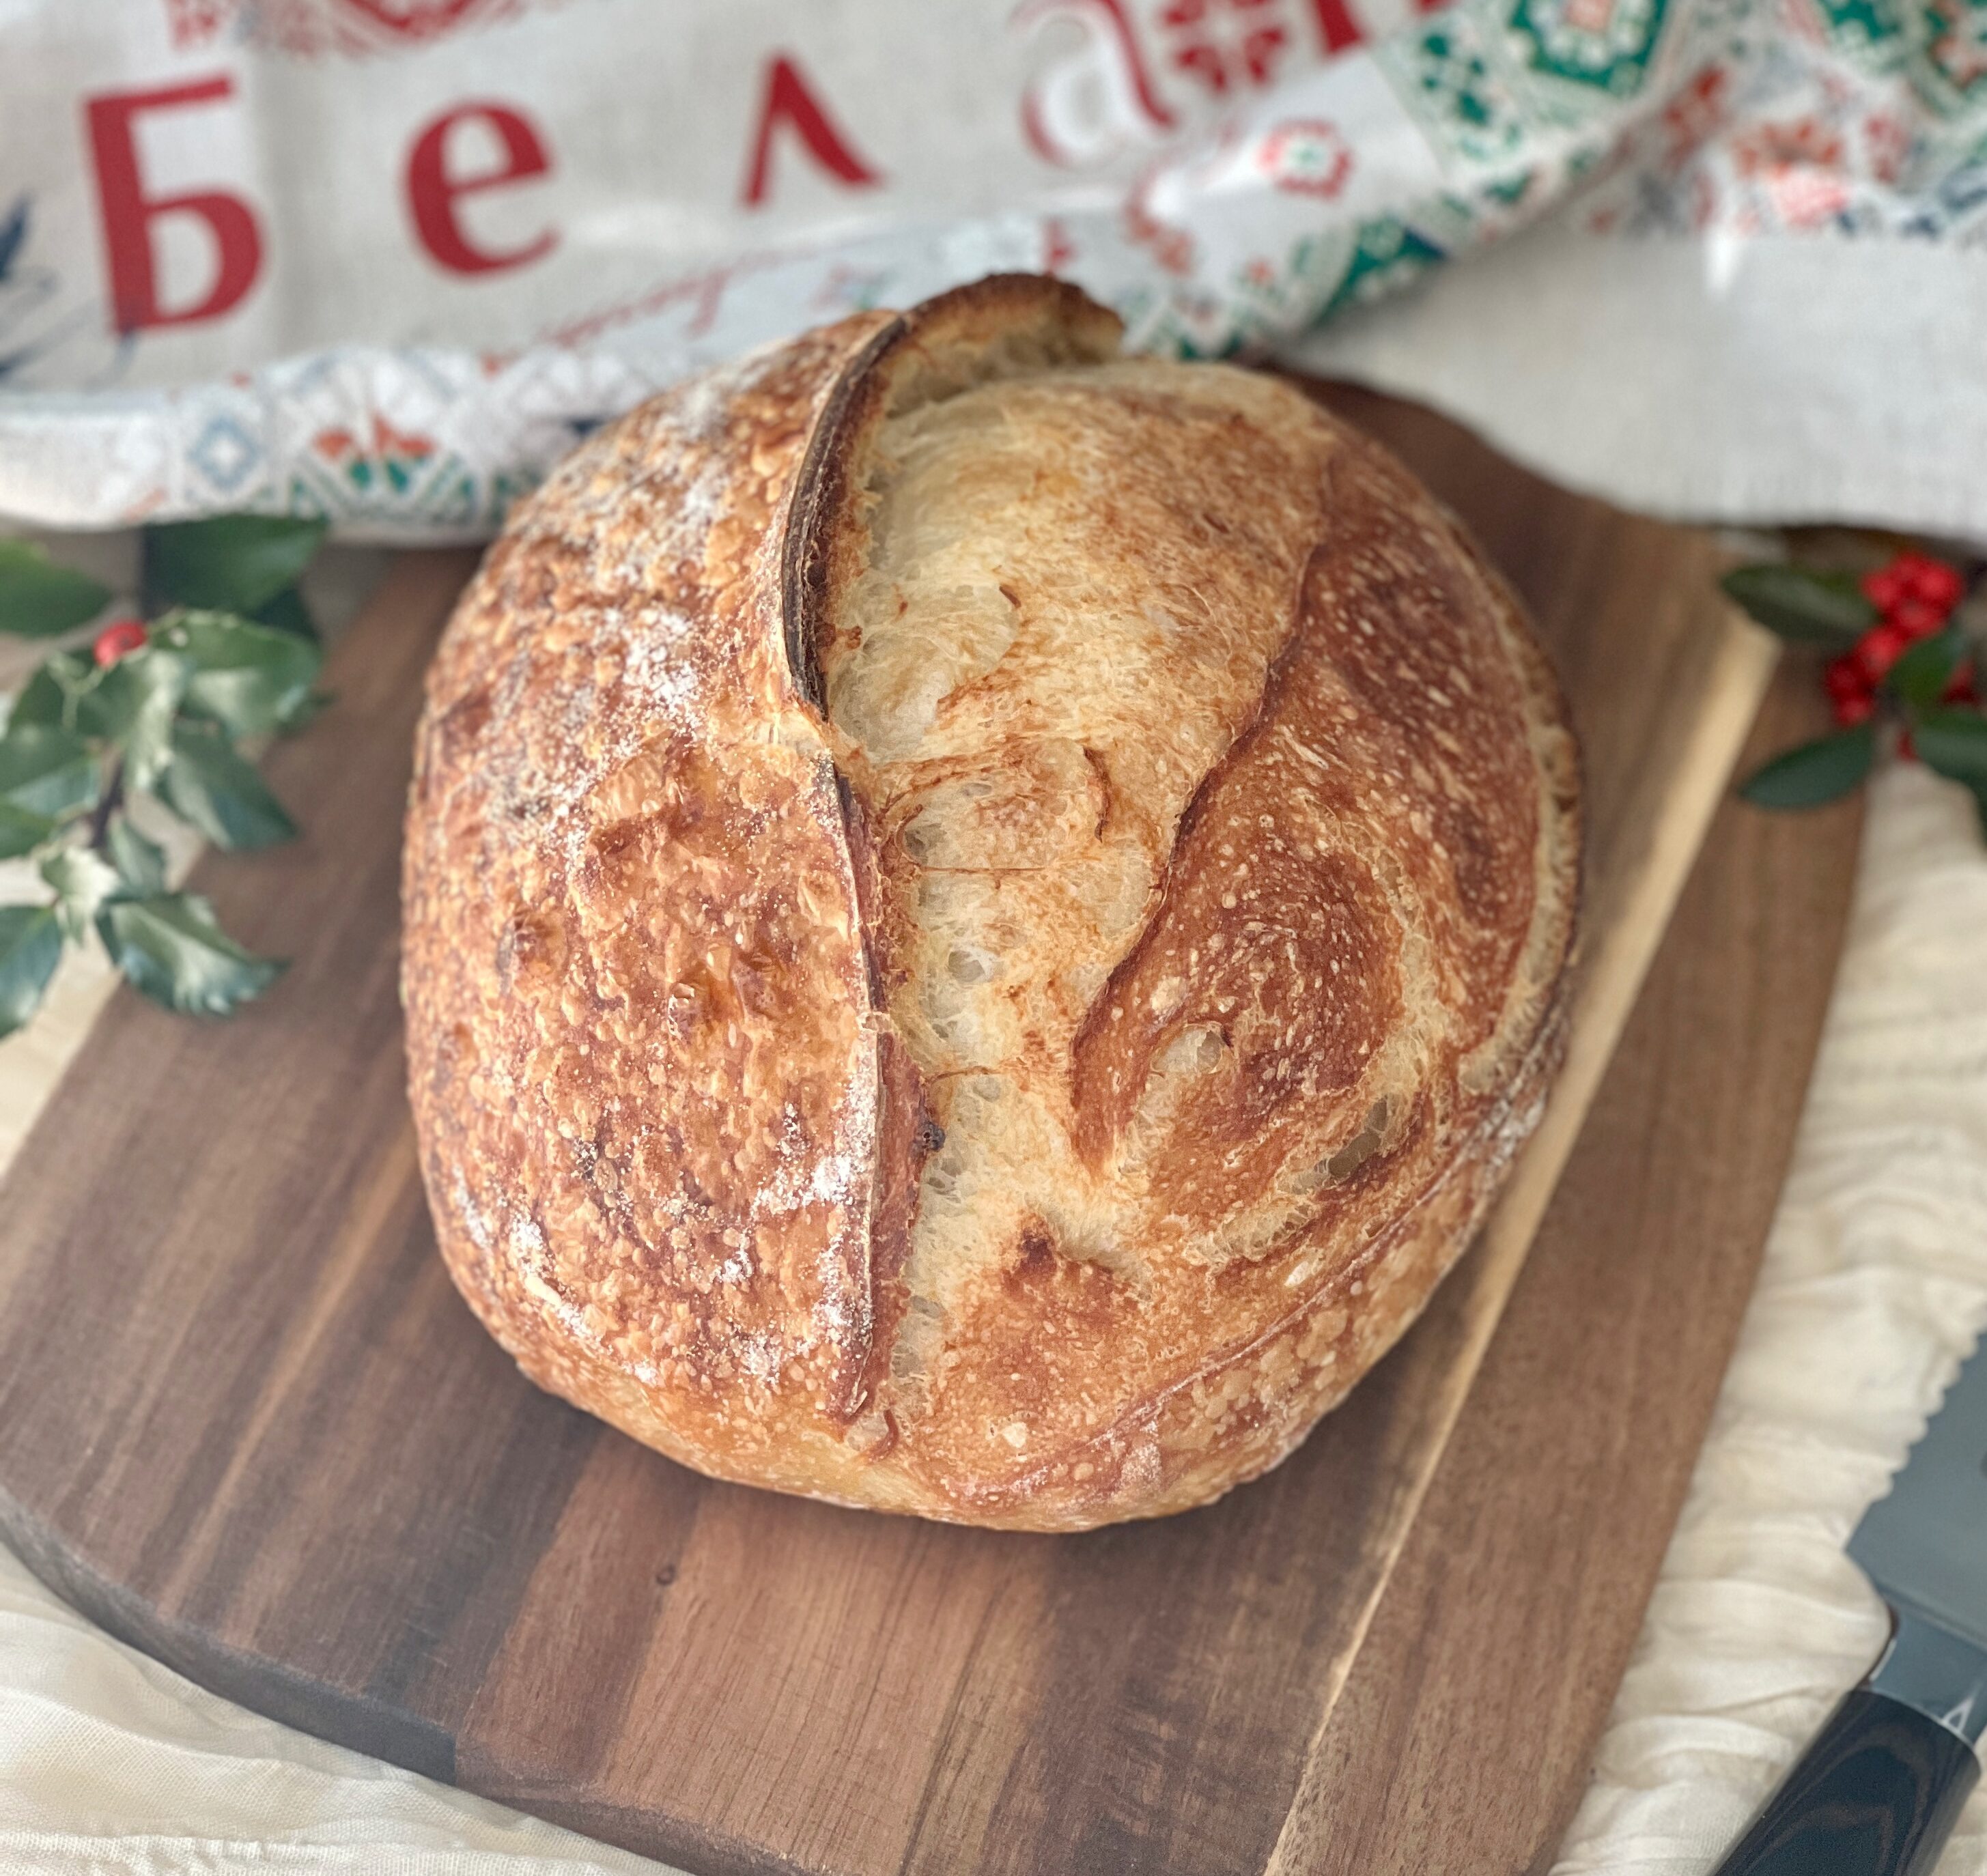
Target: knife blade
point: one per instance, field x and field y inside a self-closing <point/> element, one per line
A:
<point x="1879" y="1790"/>
<point x="1924" y="1543"/>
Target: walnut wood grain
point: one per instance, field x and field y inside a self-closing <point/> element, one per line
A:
<point x="1507" y="1623"/>
<point x="245" y="1422"/>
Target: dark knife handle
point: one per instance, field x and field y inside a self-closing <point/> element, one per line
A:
<point x="1876" y="1794"/>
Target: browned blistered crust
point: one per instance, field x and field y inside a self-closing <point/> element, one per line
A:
<point x="678" y="1098"/>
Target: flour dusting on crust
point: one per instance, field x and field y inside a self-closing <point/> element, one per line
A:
<point x="983" y="920"/>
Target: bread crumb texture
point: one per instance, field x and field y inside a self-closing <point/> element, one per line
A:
<point x="983" y="918"/>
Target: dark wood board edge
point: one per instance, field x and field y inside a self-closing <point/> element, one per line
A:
<point x="251" y="1680"/>
<point x="1563" y="1414"/>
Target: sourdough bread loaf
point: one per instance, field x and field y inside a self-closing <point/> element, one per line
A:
<point x="983" y="917"/>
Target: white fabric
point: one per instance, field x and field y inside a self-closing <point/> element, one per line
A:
<point x="1777" y="380"/>
<point x="235" y="271"/>
<point x="1874" y="1283"/>
<point x="1875" y="1279"/>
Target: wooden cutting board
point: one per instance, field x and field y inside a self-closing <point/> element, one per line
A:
<point x="245" y="1422"/>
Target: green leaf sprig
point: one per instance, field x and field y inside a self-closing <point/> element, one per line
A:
<point x="1904" y="660"/>
<point x="158" y="708"/>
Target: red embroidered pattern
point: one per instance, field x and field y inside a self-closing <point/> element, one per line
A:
<point x="1224" y="43"/>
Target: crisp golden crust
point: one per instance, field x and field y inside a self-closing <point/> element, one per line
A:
<point x="981" y="921"/>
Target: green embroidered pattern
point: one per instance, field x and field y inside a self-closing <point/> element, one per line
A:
<point x="1948" y="68"/>
<point x="1604" y="43"/>
<point x="1459" y="92"/>
<point x="1387" y="253"/>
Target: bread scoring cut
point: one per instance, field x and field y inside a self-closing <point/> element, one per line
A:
<point x="1028" y="711"/>
<point x="1112" y="886"/>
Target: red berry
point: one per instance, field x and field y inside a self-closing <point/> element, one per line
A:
<point x="1844" y="677"/>
<point x="118" y="639"/>
<point x="1884" y="587"/>
<point x="1851" y="711"/>
<point x="1960" y="689"/>
<point x="1931" y="581"/>
<point x="1917" y="618"/>
<point x="1878" y="649"/>
<point x="1907" y="749"/>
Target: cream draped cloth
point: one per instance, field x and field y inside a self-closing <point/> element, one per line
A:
<point x="1873" y="1286"/>
<point x="1874" y="1281"/>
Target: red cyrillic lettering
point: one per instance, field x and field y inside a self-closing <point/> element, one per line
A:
<point x="787" y="99"/>
<point x="432" y="190"/>
<point x="1337" y="27"/>
<point x="128" y="215"/>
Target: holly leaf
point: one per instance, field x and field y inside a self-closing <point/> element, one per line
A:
<point x="46" y="769"/>
<point x="206" y="783"/>
<point x="227" y="563"/>
<point x="308" y="709"/>
<point x="149" y="704"/>
<point x="170" y="947"/>
<point x="39" y="599"/>
<point x="21" y="832"/>
<point x="132" y="705"/>
<point x="1800" y="604"/>
<point x="250" y="679"/>
<point x="1954" y="743"/>
<point x="83" y="881"/>
<point x="31" y="947"/>
<point x="1921" y="676"/>
<point x="45" y="697"/>
<point x="1814" y="772"/>
<point x="140" y="863"/>
<point x="287" y="612"/>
